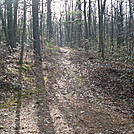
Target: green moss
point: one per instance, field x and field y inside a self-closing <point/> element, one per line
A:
<point x="25" y="67"/>
<point x="8" y="104"/>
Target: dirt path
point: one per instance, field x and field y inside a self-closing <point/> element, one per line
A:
<point x="75" y="115"/>
<point x="66" y="110"/>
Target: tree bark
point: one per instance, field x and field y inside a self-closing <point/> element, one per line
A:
<point x="36" y="42"/>
<point x="101" y="8"/>
<point x="3" y="24"/>
<point x="131" y="29"/>
<point x="23" y="35"/>
<point x="10" y="28"/>
<point x="49" y="20"/>
<point x="15" y="20"/>
<point x="89" y="20"/>
<point x="85" y="20"/>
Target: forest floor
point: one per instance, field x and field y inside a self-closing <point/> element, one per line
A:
<point x="70" y="92"/>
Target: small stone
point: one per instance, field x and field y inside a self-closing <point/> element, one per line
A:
<point x="82" y="112"/>
<point x="5" y="114"/>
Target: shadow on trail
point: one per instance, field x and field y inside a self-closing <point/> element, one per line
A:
<point x="45" y="124"/>
<point x="81" y="116"/>
<point x="18" y="111"/>
<point x="18" y="108"/>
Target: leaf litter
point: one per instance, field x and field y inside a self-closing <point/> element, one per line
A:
<point x="80" y="95"/>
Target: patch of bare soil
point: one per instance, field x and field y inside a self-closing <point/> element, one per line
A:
<point x="65" y="94"/>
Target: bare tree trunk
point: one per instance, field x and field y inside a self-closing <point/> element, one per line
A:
<point x="10" y="28"/>
<point x="3" y="24"/>
<point x="49" y="21"/>
<point x="131" y="29"/>
<point x="36" y="43"/>
<point x="94" y="38"/>
<point x="101" y="8"/>
<point x="15" y="20"/>
<point x="60" y="33"/>
<point x="112" y="27"/>
<point x="120" y="38"/>
<point x="72" y="26"/>
<point x="41" y="25"/>
<point x="66" y="24"/>
<point x="89" y="20"/>
<point x="79" y="25"/>
<point x="23" y="35"/>
<point x="85" y="20"/>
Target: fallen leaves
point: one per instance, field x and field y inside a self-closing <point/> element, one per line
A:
<point x="83" y="94"/>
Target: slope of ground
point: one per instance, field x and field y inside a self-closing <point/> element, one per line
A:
<point x="68" y="93"/>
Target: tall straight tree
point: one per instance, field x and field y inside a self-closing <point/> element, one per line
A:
<point x="131" y="27"/>
<point x="89" y="19"/>
<point x="85" y="20"/>
<point x="86" y="45"/>
<point x="101" y="8"/>
<point x="79" y="22"/>
<point x="112" y="26"/>
<point x="49" y="20"/>
<point x="41" y="23"/>
<point x="120" y="23"/>
<point x="66" y="19"/>
<point x="60" y="31"/>
<point x="67" y="22"/>
<point x="93" y="19"/>
<point x="36" y="37"/>
<point x="72" y="24"/>
<point x="10" y="27"/>
<point x="15" y="19"/>
<point x="23" y="34"/>
<point x="3" y="20"/>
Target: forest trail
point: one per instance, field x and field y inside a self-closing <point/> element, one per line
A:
<point x="75" y="114"/>
<point x="68" y="106"/>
